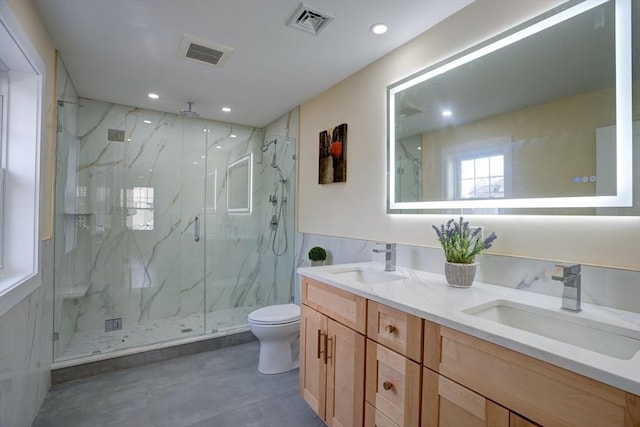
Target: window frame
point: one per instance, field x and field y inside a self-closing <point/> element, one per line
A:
<point x="25" y="77"/>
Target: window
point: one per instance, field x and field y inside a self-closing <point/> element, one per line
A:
<point x="21" y="81"/>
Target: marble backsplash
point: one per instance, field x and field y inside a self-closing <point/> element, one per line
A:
<point x="601" y="286"/>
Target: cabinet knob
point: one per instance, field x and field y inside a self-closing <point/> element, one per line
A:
<point x="389" y="329"/>
<point x="387" y="385"/>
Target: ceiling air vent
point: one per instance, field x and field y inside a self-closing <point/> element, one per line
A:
<point x="204" y="51"/>
<point x="309" y="19"/>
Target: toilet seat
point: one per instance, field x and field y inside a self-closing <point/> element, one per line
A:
<point x="275" y="315"/>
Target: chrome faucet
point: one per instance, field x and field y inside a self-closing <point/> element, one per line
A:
<point x="390" y="256"/>
<point x="571" y="280"/>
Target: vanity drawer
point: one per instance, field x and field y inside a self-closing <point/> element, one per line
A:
<point x="393" y="385"/>
<point x="344" y="307"/>
<point x="395" y="329"/>
<point x="375" y="418"/>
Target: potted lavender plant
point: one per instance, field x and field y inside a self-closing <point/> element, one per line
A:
<point x="461" y="244"/>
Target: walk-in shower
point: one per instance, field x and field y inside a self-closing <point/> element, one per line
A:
<point x="130" y="270"/>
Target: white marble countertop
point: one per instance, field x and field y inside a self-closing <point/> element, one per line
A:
<point x="428" y="296"/>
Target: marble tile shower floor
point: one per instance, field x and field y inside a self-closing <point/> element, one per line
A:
<point x="97" y="341"/>
<point x="220" y="388"/>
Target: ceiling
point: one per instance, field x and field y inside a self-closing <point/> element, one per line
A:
<point x="120" y="50"/>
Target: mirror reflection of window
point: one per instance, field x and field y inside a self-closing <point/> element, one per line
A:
<point x="480" y="176"/>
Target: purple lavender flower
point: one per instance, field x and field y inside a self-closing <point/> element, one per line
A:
<point x="461" y="243"/>
<point x="488" y="242"/>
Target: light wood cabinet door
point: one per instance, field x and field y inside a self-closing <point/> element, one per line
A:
<point x="393" y="385"/>
<point x="395" y="329"/>
<point x="448" y="404"/>
<point x="345" y="376"/>
<point x="313" y="329"/>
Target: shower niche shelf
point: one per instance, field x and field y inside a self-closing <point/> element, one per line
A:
<point x="75" y="291"/>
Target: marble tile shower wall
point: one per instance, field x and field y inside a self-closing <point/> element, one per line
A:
<point x="157" y="270"/>
<point x="607" y="287"/>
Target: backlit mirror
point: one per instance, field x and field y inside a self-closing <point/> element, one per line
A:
<point x="540" y="120"/>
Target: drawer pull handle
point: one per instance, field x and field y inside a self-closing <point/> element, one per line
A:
<point x="326" y="348"/>
<point x="389" y="329"/>
<point x="387" y="385"/>
<point x="319" y="352"/>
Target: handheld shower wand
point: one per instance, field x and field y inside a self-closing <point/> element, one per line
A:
<point x="275" y="166"/>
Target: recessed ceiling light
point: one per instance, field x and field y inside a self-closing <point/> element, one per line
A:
<point x="233" y="135"/>
<point x="153" y="96"/>
<point x="203" y="157"/>
<point x="150" y="170"/>
<point x="218" y="146"/>
<point x="226" y="109"/>
<point x="195" y="163"/>
<point x="128" y="139"/>
<point x="378" y="28"/>
<point x="446" y="113"/>
<point x="147" y="121"/>
<point x="206" y="130"/>
<point x="419" y="148"/>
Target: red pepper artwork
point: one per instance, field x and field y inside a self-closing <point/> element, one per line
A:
<point x="332" y="156"/>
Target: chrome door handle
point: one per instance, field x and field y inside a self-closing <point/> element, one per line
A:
<point x="196" y="229"/>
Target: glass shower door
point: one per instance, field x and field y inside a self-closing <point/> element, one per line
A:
<point x="164" y="202"/>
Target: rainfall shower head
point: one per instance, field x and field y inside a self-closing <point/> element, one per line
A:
<point x="189" y="112"/>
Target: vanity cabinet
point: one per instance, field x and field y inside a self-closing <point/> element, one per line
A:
<point x="420" y="373"/>
<point x="332" y="353"/>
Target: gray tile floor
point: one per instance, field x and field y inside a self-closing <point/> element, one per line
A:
<point x="219" y="388"/>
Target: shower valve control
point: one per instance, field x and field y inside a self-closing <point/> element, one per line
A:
<point x="273" y="199"/>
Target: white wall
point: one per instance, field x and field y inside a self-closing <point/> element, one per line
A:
<point x="357" y="208"/>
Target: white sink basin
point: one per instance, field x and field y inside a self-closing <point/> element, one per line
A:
<point x="366" y="276"/>
<point x="611" y="340"/>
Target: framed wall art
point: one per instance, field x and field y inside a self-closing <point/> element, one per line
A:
<point x="333" y="155"/>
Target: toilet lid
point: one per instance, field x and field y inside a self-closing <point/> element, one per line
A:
<point x="276" y="314"/>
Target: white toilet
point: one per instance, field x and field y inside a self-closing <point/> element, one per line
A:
<point x="278" y="329"/>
